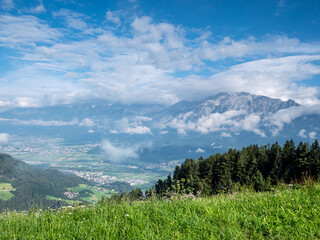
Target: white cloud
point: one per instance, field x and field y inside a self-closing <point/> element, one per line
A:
<point x="26" y="102"/>
<point x="53" y="90"/>
<point x="21" y="102"/>
<point x="200" y="150"/>
<point x="137" y="130"/>
<point x="131" y="127"/>
<point x="218" y="147"/>
<point x="87" y="122"/>
<point x="164" y="132"/>
<point x="286" y="116"/>
<point x="312" y="135"/>
<point x="4" y="138"/>
<point x="37" y="9"/>
<point x="145" y="65"/>
<point x="273" y="77"/>
<point x="25" y="30"/>
<point x="113" y="17"/>
<point x="143" y="118"/>
<point x="215" y="122"/>
<point x="229" y="48"/>
<point x="251" y="123"/>
<point x="91" y="131"/>
<point x="73" y="19"/>
<point x="7" y="4"/>
<point x="302" y="133"/>
<point x="225" y="134"/>
<point x="205" y="124"/>
<point x="118" y="153"/>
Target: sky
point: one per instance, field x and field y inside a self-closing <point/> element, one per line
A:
<point x="145" y="51"/>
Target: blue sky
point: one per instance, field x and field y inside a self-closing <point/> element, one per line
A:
<point x="143" y="51"/>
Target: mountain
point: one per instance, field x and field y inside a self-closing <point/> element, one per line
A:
<point x="224" y="102"/>
<point x="30" y="185"/>
<point x="192" y="128"/>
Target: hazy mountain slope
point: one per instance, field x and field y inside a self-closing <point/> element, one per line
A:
<point x="223" y="102"/>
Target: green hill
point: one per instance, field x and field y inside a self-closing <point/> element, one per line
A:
<point x="285" y="213"/>
<point x="23" y="186"/>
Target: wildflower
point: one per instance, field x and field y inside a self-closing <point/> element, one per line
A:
<point x="127" y="215"/>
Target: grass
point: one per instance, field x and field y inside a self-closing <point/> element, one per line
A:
<point x="5" y="195"/>
<point x="5" y="189"/>
<point x="93" y="198"/>
<point x="283" y="214"/>
<point x="48" y="197"/>
<point x="6" y="186"/>
<point x="79" y="188"/>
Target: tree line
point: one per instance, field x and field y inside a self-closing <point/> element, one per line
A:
<point x="258" y="166"/>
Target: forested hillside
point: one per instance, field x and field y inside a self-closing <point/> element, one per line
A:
<point x="31" y="185"/>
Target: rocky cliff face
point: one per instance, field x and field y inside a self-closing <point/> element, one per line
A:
<point x="223" y="102"/>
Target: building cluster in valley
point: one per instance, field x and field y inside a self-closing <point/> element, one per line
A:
<point x="163" y="166"/>
<point x="101" y="179"/>
<point x="40" y="146"/>
<point x="71" y="194"/>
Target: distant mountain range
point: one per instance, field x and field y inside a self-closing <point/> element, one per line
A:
<point x="189" y="128"/>
<point x="224" y="102"/>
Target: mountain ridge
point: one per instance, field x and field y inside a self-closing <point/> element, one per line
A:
<point x="228" y="120"/>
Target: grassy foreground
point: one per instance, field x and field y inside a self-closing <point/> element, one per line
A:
<point x="283" y="214"/>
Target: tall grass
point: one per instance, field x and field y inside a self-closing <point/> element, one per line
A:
<point x="286" y="213"/>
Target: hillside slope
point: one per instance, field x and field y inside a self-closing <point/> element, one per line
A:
<point x="31" y="184"/>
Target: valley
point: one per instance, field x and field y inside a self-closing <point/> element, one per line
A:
<point x="75" y="159"/>
<point x="137" y="119"/>
<point x="107" y="142"/>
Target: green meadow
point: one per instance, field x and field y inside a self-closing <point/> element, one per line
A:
<point x="5" y="189"/>
<point x="93" y="197"/>
<point x="285" y="213"/>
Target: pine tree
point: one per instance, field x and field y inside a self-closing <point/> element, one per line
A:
<point x="287" y="161"/>
<point x="314" y="156"/>
<point x="302" y="165"/>
<point x="275" y="160"/>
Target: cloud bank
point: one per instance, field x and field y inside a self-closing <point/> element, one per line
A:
<point x="117" y="152"/>
<point x="4" y="138"/>
<point x="130" y="59"/>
